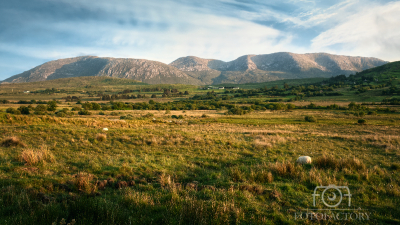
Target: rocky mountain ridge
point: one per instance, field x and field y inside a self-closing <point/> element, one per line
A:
<point x="199" y="71"/>
<point x="147" y="71"/>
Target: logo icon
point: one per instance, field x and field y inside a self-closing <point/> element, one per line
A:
<point x="331" y="195"/>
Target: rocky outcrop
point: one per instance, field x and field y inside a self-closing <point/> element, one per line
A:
<point x="198" y="71"/>
<point x="138" y="69"/>
<point x="282" y="65"/>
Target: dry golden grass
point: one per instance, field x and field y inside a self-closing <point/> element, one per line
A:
<point x="101" y="137"/>
<point x="269" y="141"/>
<point x="331" y="162"/>
<point x="83" y="182"/>
<point x="12" y="142"/>
<point x="33" y="157"/>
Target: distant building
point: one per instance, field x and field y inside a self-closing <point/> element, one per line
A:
<point x="27" y="92"/>
<point x="221" y="88"/>
<point x="211" y="87"/>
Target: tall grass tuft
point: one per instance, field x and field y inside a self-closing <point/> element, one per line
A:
<point x="101" y="137"/>
<point x="331" y="162"/>
<point x="284" y="169"/>
<point x="83" y="182"/>
<point x="34" y="157"/>
<point x="12" y="142"/>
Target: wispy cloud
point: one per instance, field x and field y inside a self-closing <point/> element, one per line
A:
<point x="372" y="31"/>
<point x="42" y="30"/>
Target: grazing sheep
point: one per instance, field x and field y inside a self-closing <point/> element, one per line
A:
<point x="304" y="160"/>
<point x="105" y="129"/>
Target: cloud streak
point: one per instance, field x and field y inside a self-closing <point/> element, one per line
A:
<point x="41" y="30"/>
<point x="373" y="31"/>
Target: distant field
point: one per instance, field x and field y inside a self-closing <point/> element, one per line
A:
<point x="278" y="83"/>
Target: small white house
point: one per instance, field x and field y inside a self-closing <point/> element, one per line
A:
<point x="26" y="91"/>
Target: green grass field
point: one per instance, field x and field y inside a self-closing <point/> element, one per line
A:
<point x="205" y="167"/>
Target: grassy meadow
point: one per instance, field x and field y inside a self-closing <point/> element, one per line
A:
<point x="193" y="166"/>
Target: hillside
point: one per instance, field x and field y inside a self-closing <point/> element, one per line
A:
<point x="151" y="72"/>
<point x="388" y="75"/>
<point x="197" y="71"/>
<point x="270" y="67"/>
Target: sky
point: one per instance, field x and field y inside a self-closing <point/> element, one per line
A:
<point x="33" y="32"/>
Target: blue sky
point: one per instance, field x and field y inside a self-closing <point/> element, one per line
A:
<point x="36" y="31"/>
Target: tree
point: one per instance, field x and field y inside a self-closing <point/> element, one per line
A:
<point x="286" y="85"/>
<point x="186" y="93"/>
<point x="153" y="96"/>
<point x="52" y="105"/>
<point x="24" y="110"/>
<point x="40" y="108"/>
<point x="96" y="106"/>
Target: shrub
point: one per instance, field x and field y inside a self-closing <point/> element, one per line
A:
<point x="76" y="108"/>
<point x="24" y="110"/>
<point x="148" y="115"/>
<point x="13" y="111"/>
<point x="236" y="111"/>
<point x="40" y="108"/>
<point x="362" y="121"/>
<point x="204" y="116"/>
<point x="101" y="137"/>
<point x="40" y="113"/>
<point x="174" y="117"/>
<point x="361" y="114"/>
<point x="127" y="117"/>
<point x="310" y="119"/>
<point x="167" y="111"/>
<point x="114" y="114"/>
<point x="12" y="141"/>
<point x="105" y="107"/>
<point x="52" y="105"/>
<point x="61" y="114"/>
<point x="84" y="112"/>
<point x="101" y="113"/>
<point x="371" y="113"/>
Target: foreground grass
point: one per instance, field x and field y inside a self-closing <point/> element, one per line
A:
<point x="212" y="169"/>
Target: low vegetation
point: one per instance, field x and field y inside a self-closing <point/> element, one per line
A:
<point x="222" y="157"/>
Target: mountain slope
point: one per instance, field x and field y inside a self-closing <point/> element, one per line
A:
<point x="198" y="71"/>
<point x="147" y="71"/>
<point x="282" y="65"/>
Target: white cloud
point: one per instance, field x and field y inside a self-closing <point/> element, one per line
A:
<point x="373" y="31"/>
<point x="187" y="31"/>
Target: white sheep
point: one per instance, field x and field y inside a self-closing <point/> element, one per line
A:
<point x="105" y="129"/>
<point x="304" y="160"/>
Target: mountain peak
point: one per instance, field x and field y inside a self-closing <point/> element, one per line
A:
<point x="195" y="70"/>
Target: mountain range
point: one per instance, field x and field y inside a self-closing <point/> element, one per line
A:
<point x="199" y="71"/>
